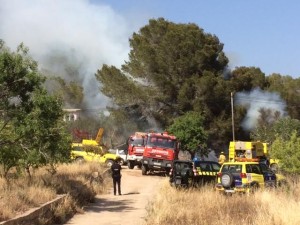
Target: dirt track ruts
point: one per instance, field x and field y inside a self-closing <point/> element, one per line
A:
<point x="129" y="208"/>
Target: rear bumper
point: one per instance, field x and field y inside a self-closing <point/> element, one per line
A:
<point x="156" y="163"/>
<point x="180" y="181"/>
<point x="134" y="158"/>
<point x="237" y="189"/>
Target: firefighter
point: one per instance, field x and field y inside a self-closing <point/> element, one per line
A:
<point x="222" y="158"/>
<point x="116" y="176"/>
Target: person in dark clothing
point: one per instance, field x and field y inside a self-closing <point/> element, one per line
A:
<point x="116" y="176"/>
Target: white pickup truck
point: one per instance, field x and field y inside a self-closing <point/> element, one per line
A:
<point x="121" y="153"/>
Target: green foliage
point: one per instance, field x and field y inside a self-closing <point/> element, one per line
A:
<point x="288" y="152"/>
<point x="288" y="88"/>
<point x="165" y="62"/>
<point x="32" y="132"/>
<point x="285" y="127"/>
<point x="271" y="127"/>
<point x="44" y="133"/>
<point x="247" y="78"/>
<point x="177" y="68"/>
<point x="190" y="131"/>
<point x="122" y="89"/>
<point x="172" y="69"/>
<point x="71" y="93"/>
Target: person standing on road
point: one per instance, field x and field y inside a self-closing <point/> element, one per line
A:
<point x="116" y="176"/>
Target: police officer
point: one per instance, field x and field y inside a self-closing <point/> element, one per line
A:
<point x="116" y="176"/>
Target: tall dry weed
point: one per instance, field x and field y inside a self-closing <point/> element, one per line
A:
<point x="205" y="206"/>
<point x="76" y="180"/>
<point x="64" y="210"/>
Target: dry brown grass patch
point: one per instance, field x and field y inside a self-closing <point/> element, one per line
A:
<point x="205" y="206"/>
<point x="76" y="180"/>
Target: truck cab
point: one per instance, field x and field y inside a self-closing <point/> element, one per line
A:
<point x="136" y="146"/>
<point x="160" y="150"/>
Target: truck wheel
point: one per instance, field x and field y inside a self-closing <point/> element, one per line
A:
<point x="130" y="165"/>
<point x="109" y="162"/>
<point x="226" y="180"/>
<point x="144" y="170"/>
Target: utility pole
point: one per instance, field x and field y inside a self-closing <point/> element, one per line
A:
<point x="232" y="117"/>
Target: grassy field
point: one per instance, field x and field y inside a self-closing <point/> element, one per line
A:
<point x="80" y="181"/>
<point x="205" y="206"/>
<point x="170" y="206"/>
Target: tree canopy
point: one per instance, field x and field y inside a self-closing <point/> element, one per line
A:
<point x="31" y="127"/>
<point x="172" y="69"/>
<point x="288" y="153"/>
<point x="270" y="129"/>
<point x="190" y="132"/>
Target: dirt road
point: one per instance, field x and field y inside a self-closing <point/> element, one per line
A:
<point x="129" y="208"/>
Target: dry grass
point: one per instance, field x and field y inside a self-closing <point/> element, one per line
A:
<point x="205" y="206"/>
<point x="80" y="181"/>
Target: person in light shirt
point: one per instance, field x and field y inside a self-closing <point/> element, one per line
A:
<point x="222" y="158"/>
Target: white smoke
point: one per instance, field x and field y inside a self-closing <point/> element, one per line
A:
<point x="69" y="38"/>
<point x="256" y="100"/>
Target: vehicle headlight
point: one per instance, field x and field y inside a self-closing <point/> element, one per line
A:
<point x="145" y="162"/>
<point x="168" y="165"/>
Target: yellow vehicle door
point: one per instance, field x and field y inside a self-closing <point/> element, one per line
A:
<point x="254" y="174"/>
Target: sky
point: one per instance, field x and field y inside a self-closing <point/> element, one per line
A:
<point x="260" y="33"/>
<point x="74" y="38"/>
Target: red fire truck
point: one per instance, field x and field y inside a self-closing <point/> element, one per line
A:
<point x="136" y="146"/>
<point x="160" y="150"/>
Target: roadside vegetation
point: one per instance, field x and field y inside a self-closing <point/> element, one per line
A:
<point x="203" y="206"/>
<point x="80" y="182"/>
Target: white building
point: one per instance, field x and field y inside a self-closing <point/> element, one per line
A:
<point x="71" y="114"/>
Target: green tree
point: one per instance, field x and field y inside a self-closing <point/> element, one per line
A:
<point x="71" y="93"/>
<point x="288" y="152"/>
<point x="31" y="132"/>
<point x="190" y="132"/>
<point x="247" y="78"/>
<point x="172" y="69"/>
<point x="244" y="79"/>
<point x="166" y="58"/>
<point x="271" y="126"/>
<point x="288" y="88"/>
<point x="44" y="137"/>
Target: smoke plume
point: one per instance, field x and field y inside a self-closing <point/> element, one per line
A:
<point x="256" y="100"/>
<point x="70" y="39"/>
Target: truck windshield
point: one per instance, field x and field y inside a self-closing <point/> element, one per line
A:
<point x="137" y="141"/>
<point x="161" y="142"/>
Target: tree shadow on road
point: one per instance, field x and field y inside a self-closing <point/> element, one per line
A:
<point x="110" y="205"/>
<point x="131" y="193"/>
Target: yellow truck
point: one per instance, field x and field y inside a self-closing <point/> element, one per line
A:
<point x="250" y="151"/>
<point x="82" y="153"/>
<point x="91" y="150"/>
